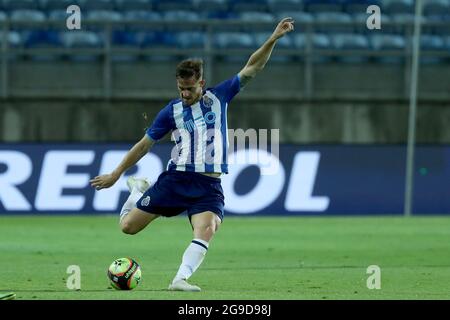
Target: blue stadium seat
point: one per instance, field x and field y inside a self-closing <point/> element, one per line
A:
<point x="174" y="5"/>
<point x="180" y="15"/>
<point x="97" y="4"/>
<point x="227" y="40"/>
<point x="27" y="16"/>
<point x="57" y="15"/>
<point x="300" y="18"/>
<point x="316" y="6"/>
<point x="13" y="37"/>
<point x="354" y="42"/>
<point x="398" y="6"/>
<point x="42" y="40"/>
<point x="82" y="39"/>
<point x="14" y="40"/>
<point x="234" y="40"/>
<point x="62" y="5"/>
<point x="125" y="40"/>
<point x="292" y="6"/>
<point x="141" y="15"/>
<point x="128" y="5"/>
<point x="11" y="5"/>
<point x="22" y="17"/>
<point x="255" y="16"/>
<point x="431" y="43"/>
<point x="185" y="40"/>
<point x="318" y="41"/>
<point x="212" y="6"/>
<point x="358" y="6"/>
<point x="286" y="42"/>
<point x="436" y="8"/>
<point x="104" y="15"/>
<point x="3" y="16"/>
<point x="388" y="42"/>
<point x="328" y="18"/>
<point x="249" y="5"/>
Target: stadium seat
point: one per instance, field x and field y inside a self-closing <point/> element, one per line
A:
<point x="42" y="40"/>
<point x="128" y="5"/>
<point x="81" y="39"/>
<point x="186" y="40"/>
<point x="13" y="39"/>
<point x="27" y="16"/>
<point x="122" y="39"/>
<point x="332" y="22"/>
<point x="436" y="8"/>
<point x="266" y="18"/>
<point x="316" y="6"/>
<point x="21" y="18"/>
<point x="353" y="42"/>
<point x="234" y="40"/>
<point x="180" y="15"/>
<point x="248" y="5"/>
<point x="300" y="18"/>
<point x="104" y="15"/>
<point x="284" y="43"/>
<point x="398" y="6"/>
<point x="293" y="6"/>
<point x="174" y="5"/>
<point x="140" y="16"/>
<point x="227" y="40"/>
<point x="318" y="41"/>
<point x="431" y="43"/>
<point x="97" y="4"/>
<point x="11" y="5"/>
<point x="358" y="6"/>
<point x="52" y="5"/>
<point x="57" y="15"/>
<point x="213" y="6"/>
<point x="388" y="42"/>
<point x="3" y="16"/>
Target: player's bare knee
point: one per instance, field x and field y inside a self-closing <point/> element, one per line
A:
<point x="128" y="228"/>
<point x="205" y="231"/>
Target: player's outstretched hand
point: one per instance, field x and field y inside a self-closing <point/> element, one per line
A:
<point x="103" y="181"/>
<point x="284" y="26"/>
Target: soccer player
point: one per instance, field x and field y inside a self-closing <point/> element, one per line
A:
<point x="192" y="182"/>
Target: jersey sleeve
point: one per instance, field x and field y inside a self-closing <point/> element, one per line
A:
<point x="161" y="125"/>
<point x="227" y="89"/>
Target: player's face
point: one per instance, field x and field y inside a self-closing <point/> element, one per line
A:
<point x="190" y="89"/>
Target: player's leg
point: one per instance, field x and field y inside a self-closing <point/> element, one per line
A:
<point x="205" y="225"/>
<point x="136" y="220"/>
<point x="132" y="219"/>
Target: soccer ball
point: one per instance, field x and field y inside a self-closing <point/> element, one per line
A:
<point x="124" y="274"/>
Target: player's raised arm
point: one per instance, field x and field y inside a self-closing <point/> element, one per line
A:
<point x="260" y="57"/>
<point x="139" y="150"/>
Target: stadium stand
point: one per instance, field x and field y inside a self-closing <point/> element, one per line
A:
<point x="342" y="21"/>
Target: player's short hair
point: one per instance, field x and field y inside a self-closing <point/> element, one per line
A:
<point x="190" y="68"/>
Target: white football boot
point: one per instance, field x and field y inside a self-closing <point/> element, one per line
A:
<point x="142" y="184"/>
<point x="182" y="285"/>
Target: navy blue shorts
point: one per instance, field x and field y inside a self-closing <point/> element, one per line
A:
<point x="177" y="191"/>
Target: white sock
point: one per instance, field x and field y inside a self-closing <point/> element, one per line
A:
<point x="192" y="258"/>
<point x="134" y="196"/>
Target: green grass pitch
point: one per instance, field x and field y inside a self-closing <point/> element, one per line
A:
<point x="250" y="258"/>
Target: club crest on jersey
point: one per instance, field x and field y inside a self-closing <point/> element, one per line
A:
<point x="207" y="101"/>
<point x="146" y="201"/>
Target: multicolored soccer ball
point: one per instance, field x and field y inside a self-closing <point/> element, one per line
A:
<point x="124" y="274"/>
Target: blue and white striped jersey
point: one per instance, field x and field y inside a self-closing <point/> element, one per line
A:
<point x="199" y="130"/>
